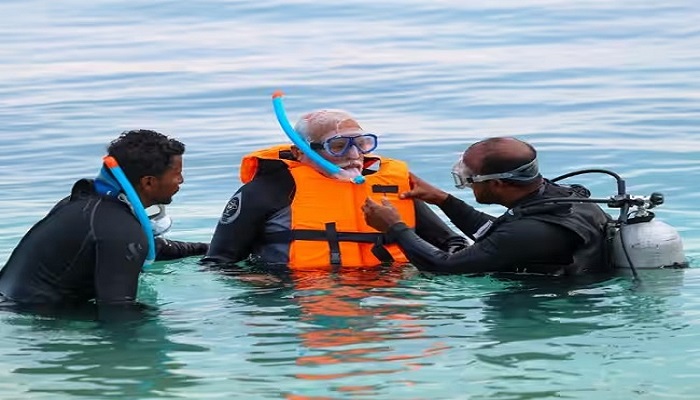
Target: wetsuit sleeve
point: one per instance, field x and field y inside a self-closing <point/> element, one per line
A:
<point x="464" y="216"/>
<point x="508" y="246"/>
<point x="242" y="223"/>
<point x="433" y="230"/>
<point x="173" y="249"/>
<point x="120" y="250"/>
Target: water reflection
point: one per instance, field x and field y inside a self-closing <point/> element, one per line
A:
<point x="343" y="326"/>
<point x="536" y="308"/>
<point x="540" y="308"/>
<point x="568" y="336"/>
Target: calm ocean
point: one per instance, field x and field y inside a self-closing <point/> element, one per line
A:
<point x="591" y="84"/>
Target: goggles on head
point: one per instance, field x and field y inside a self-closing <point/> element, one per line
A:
<point x="464" y="177"/>
<point x="338" y="146"/>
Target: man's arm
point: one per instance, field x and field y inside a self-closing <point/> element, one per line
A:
<point x="120" y="250"/>
<point x="509" y="246"/>
<point x="242" y="223"/>
<point x="433" y="230"/>
<point x="465" y="217"/>
<point x="173" y="249"/>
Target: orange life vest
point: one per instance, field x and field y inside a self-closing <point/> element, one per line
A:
<point x="327" y="224"/>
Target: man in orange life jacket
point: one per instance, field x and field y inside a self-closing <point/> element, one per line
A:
<point x="290" y="213"/>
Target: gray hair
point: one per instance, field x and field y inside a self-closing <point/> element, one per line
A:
<point x="313" y="125"/>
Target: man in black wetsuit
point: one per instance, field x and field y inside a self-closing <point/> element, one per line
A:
<point x="559" y="239"/>
<point x="90" y="246"/>
<point x="290" y="213"/>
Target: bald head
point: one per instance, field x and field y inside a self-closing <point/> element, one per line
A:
<point x="498" y="154"/>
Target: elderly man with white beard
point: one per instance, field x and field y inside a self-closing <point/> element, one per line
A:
<point x="290" y="213"/>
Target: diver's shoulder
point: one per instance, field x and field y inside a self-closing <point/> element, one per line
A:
<point x="271" y="173"/>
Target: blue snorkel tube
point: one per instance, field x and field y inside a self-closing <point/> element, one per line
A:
<point x="111" y="163"/>
<point x="327" y="166"/>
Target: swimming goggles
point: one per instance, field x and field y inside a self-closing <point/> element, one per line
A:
<point x="464" y="177"/>
<point x="338" y="146"/>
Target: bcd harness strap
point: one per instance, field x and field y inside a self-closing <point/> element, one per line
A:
<point x="333" y="237"/>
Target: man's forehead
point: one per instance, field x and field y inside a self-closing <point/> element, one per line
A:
<point x="325" y="123"/>
<point x="348" y="124"/>
<point x="176" y="162"/>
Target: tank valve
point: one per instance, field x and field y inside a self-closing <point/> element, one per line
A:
<point x="656" y="199"/>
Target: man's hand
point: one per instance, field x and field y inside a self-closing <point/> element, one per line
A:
<point x="380" y="216"/>
<point x="422" y="190"/>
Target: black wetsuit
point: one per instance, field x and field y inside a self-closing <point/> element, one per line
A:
<point x="88" y="247"/>
<point x="263" y="205"/>
<point x="561" y="239"/>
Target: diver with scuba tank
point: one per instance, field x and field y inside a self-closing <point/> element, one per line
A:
<point x="548" y="228"/>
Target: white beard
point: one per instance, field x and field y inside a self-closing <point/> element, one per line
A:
<point x="353" y="172"/>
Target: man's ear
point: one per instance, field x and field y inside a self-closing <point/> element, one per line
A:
<point x="147" y="182"/>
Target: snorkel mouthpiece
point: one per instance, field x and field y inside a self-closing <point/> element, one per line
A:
<point x="111" y="163"/>
<point x="330" y="168"/>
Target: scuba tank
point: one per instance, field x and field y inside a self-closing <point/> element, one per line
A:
<point x="635" y="240"/>
<point x="645" y="242"/>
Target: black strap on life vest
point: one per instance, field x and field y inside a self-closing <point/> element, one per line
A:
<point x="333" y="237"/>
<point x="319" y="235"/>
<point x="333" y="244"/>
<point x="379" y="251"/>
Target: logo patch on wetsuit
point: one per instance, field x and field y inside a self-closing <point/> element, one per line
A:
<point x="133" y="251"/>
<point x="483" y="229"/>
<point x="232" y="210"/>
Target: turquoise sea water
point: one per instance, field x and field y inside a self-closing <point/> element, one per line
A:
<point x="591" y="84"/>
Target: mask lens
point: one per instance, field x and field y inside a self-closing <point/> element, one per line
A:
<point x="461" y="175"/>
<point x="160" y="221"/>
<point x="365" y="143"/>
<point x="459" y="183"/>
<point x="337" y="145"/>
